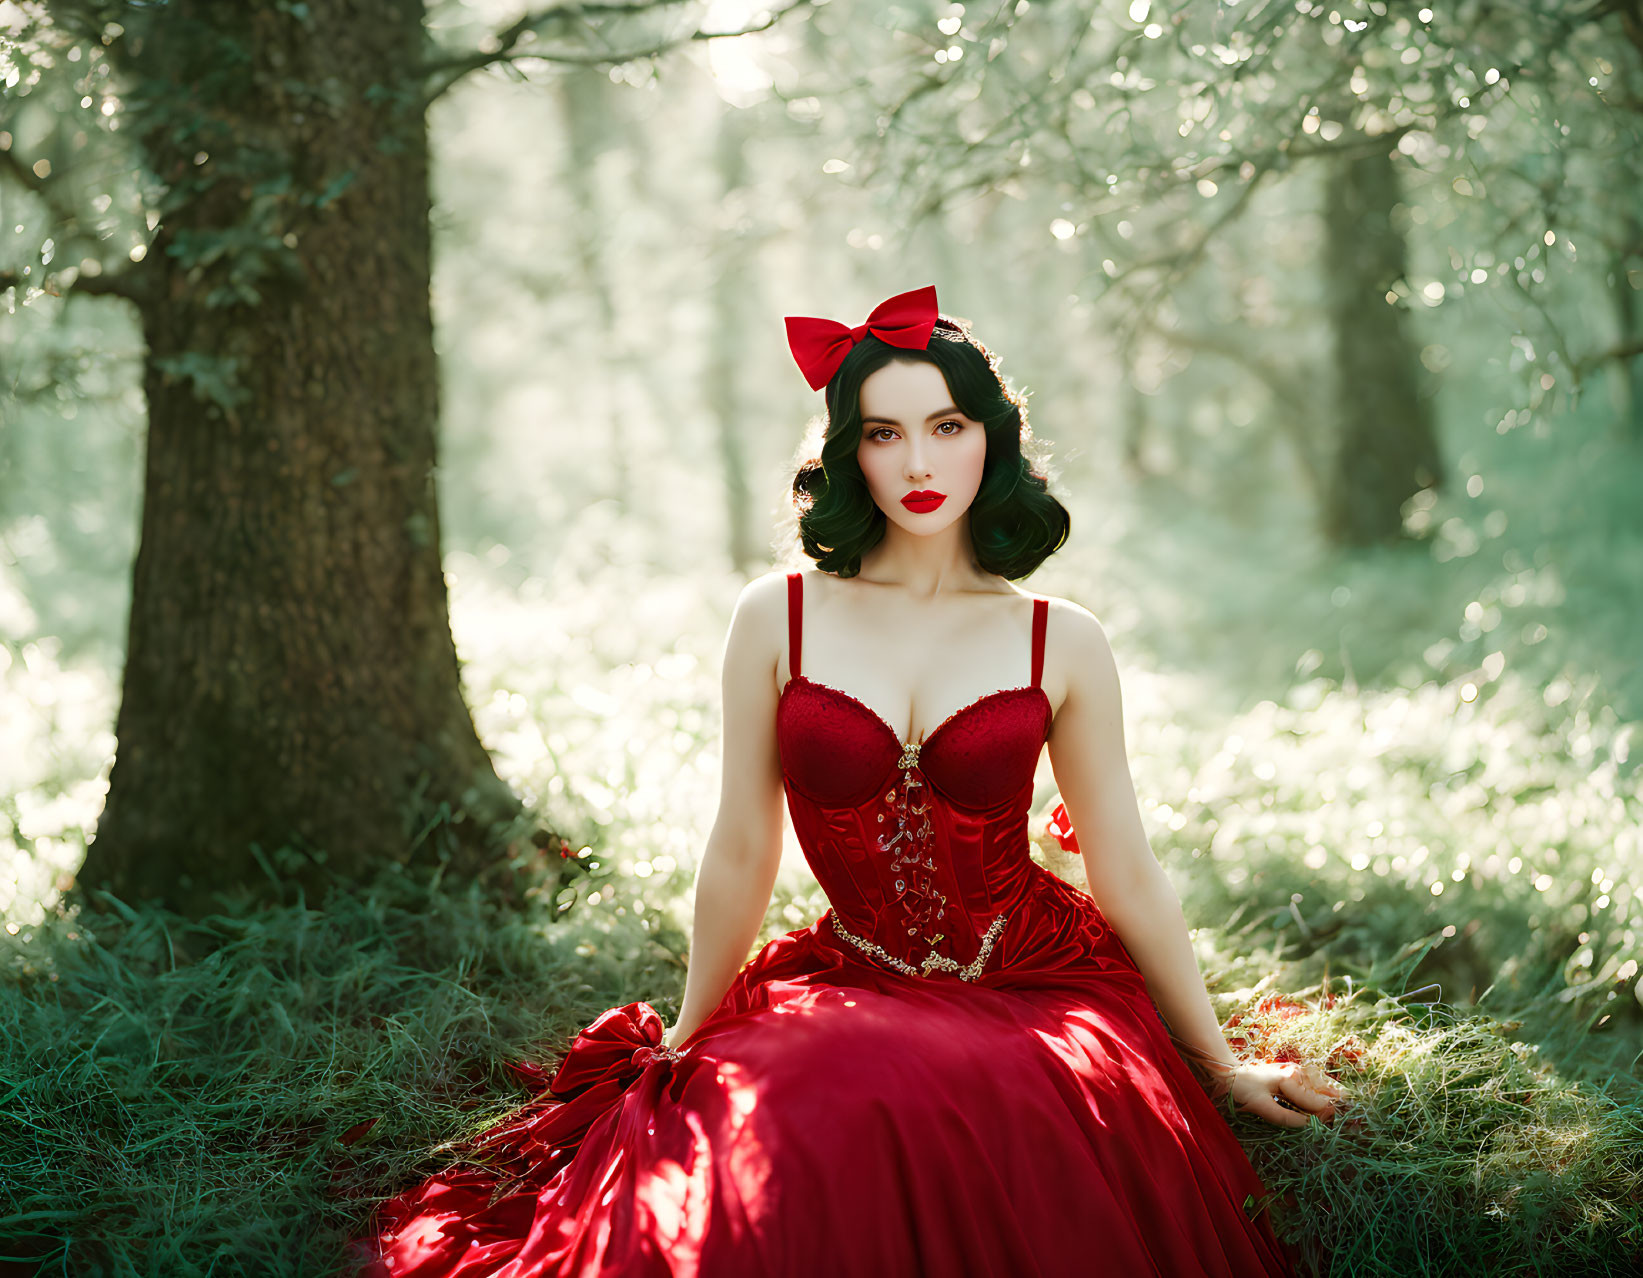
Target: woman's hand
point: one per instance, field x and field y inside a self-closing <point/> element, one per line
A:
<point x="1255" y="1087"/>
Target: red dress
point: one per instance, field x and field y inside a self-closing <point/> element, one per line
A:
<point x="955" y="1071"/>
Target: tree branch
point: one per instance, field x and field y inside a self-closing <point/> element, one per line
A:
<point x="132" y="282"/>
<point x="1624" y="351"/>
<point x="454" y="67"/>
<point x="1294" y="409"/>
<point x="23" y="175"/>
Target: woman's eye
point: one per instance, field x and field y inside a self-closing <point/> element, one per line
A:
<point x="884" y="432"/>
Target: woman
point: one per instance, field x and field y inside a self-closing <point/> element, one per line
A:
<point x="960" y="1068"/>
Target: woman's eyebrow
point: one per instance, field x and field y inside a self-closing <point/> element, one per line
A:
<point x="949" y="411"/>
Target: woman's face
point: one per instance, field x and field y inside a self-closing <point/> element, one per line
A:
<point x="915" y="444"/>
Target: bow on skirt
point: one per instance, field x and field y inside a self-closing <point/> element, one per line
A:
<point x="608" y="1056"/>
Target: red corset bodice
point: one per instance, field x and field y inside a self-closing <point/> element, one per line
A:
<point x="922" y="848"/>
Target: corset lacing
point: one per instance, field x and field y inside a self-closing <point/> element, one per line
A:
<point x="912" y="859"/>
<point x="911" y="856"/>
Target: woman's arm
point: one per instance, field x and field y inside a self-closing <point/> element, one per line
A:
<point x="1137" y="898"/>
<point x="738" y="865"/>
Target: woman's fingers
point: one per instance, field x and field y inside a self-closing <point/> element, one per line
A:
<point x="1312" y="1073"/>
<point x="1269" y="1108"/>
<point x="1281" y="1084"/>
<point x="1302" y="1091"/>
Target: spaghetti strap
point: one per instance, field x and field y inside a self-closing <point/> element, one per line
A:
<point x="1041" y="612"/>
<point x="795" y="621"/>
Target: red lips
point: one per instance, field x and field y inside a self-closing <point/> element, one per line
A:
<point x="923" y="500"/>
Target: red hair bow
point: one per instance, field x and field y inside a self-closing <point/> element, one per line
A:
<point x="820" y="345"/>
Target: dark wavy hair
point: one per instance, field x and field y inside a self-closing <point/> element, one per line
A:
<point x="1015" y="524"/>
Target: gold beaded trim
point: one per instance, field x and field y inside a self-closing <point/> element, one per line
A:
<point x="967" y="972"/>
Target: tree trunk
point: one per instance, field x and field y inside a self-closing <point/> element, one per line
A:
<point x="590" y="122"/>
<point x="1385" y="448"/>
<point x="1625" y="373"/>
<point x="734" y="281"/>
<point x="290" y="678"/>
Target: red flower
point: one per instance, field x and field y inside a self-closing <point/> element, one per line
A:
<point x="1284" y="1007"/>
<point x="1061" y="828"/>
<point x="1349" y="1049"/>
<point x="1263" y="1036"/>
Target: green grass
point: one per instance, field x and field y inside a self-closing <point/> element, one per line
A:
<point x="177" y="1093"/>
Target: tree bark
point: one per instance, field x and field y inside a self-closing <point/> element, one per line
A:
<point x="734" y="281"/>
<point x="290" y="681"/>
<point x="1385" y="447"/>
<point x="1625" y="373"/>
<point x="591" y="129"/>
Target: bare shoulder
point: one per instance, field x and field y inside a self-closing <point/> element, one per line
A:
<point x="1077" y="652"/>
<point x="764" y="592"/>
<point x="761" y="609"/>
<point x="759" y="625"/>
<point x="1074" y="625"/>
